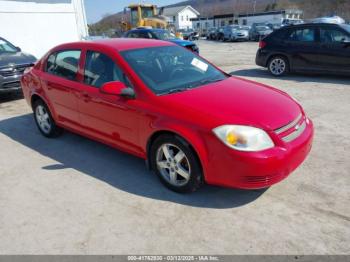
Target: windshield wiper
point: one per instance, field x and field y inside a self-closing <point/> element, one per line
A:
<point x="189" y="87"/>
<point x="176" y="90"/>
<point x="209" y="81"/>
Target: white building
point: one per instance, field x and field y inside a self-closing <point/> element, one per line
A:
<point x="38" y="25"/>
<point x="273" y="17"/>
<point x="180" y="16"/>
<point x="202" y="25"/>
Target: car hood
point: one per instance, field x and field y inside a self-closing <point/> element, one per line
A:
<point x="264" y="32"/>
<point x="235" y="101"/>
<point x="19" y="58"/>
<point x="181" y="42"/>
<point x="241" y="32"/>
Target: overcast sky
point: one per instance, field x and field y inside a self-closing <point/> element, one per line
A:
<point x="96" y="9"/>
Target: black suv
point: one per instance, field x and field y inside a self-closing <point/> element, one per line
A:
<point x="307" y="48"/>
<point x="12" y="65"/>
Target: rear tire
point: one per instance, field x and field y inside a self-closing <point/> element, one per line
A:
<point x="278" y="66"/>
<point x="44" y="120"/>
<point x="176" y="164"/>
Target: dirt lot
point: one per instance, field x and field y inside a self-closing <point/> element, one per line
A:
<point x="75" y="196"/>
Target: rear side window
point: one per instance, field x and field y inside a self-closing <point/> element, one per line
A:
<point x="133" y="35"/>
<point x="64" y="64"/>
<point x="302" y="35"/>
<point x="279" y="34"/>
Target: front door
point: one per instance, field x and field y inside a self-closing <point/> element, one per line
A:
<point x="110" y="118"/>
<point x="302" y="44"/>
<point x="335" y="49"/>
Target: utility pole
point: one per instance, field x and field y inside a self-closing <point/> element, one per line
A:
<point x="254" y="6"/>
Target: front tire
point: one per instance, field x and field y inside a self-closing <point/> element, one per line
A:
<point x="44" y="120"/>
<point x="176" y="164"/>
<point x="278" y="66"/>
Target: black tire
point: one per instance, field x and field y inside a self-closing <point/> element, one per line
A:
<point x="54" y="130"/>
<point x="195" y="175"/>
<point x="283" y="68"/>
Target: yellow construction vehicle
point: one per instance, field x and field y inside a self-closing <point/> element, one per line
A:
<point x="145" y="15"/>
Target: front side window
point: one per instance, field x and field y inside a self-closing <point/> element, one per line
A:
<point x="64" y="64"/>
<point x="101" y="69"/>
<point x="171" y="68"/>
<point x="302" y="35"/>
<point x="134" y="17"/>
<point x="7" y="47"/>
<point x="332" y="35"/>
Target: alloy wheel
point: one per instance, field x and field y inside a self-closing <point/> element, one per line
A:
<point x="173" y="165"/>
<point x="43" y="119"/>
<point x="278" y="66"/>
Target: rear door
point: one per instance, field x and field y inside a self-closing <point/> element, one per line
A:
<point x="335" y="49"/>
<point x="303" y="47"/>
<point x="60" y="81"/>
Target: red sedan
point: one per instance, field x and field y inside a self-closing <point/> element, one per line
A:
<point x="192" y="122"/>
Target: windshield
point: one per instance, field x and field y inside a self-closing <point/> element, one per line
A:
<point x="7" y="47"/>
<point x="164" y="35"/>
<point x="346" y="27"/>
<point x="260" y="28"/>
<point x="170" y="69"/>
<point x="147" y="12"/>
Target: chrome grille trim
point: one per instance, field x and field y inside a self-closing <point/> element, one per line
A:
<point x="295" y="134"/>
<point x="289" y="126"/>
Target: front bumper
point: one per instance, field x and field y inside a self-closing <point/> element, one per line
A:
<point x="10" y="83"/>
<point x="240" y="37"/>
<point x="254" y="170"/>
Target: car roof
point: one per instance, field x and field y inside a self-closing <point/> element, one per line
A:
<point x="312" y="24"/>
<point x="148" y="29"/>
<point x="120" y="44"/>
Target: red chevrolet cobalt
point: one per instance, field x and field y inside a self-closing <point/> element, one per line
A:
<point x="192" y="122"/>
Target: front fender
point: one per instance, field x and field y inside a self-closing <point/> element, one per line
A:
<point x="192" y="135"/>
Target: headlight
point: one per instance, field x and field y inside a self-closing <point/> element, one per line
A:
<point x="244" y="138"/>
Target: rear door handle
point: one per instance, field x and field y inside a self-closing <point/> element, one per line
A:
<point x="86" y="97"/>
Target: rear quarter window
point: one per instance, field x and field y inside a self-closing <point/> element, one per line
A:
<point x="278" y="35"/>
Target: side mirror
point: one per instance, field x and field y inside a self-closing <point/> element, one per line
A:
<point x="18" y="49"/>
<point x="117" y="88"/>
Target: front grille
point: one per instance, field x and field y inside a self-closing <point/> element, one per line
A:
<point x="289" y="126"/>
<point x="14" y="84"/>
<point x="264" y="180"/>
<point x="293" y="130"/>
<point x="14" y="71"/>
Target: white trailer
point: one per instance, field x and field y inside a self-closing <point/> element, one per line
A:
<point x="38" y="25"/>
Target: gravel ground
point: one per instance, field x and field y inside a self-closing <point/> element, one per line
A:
<point x="75" y="196"/>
